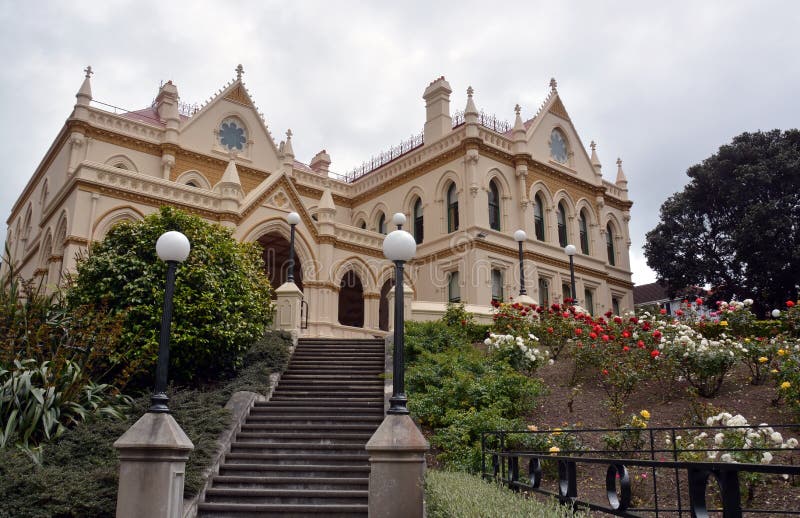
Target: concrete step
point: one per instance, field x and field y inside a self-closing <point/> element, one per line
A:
<point x="360" y="470"/>
<point x="305" y="403"/>
<point x="295" y="436"/>
<point x="297" y="460"/>
<point x="221" y="510"/>
<point x="320" y="419"/>
<point x="295" y="448"/>
<point x="286" y="496"/>
<point x="318" y="427"/>
<point x="324" y="410"/>
<point x="311" y="397"/>
<point x="275" y="482"/>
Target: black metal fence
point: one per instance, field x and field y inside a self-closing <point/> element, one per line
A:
<point x="647" y="480"/>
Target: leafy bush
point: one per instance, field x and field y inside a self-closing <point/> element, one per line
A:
<point x="449" y="494"/>
<point x="221" y="303"/>
<point x="461" y="392"/>
<point x="38" y="401"/>
<point x="78" y="476"/>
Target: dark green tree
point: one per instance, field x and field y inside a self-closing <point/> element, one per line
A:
<point x="736" y="225"/>
<point x="222" y="295"/>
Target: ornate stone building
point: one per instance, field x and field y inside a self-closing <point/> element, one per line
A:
<point x="465" y="184"/>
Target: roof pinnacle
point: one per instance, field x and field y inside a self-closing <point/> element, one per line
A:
<point x="470" y="91"/>
<point x="239" y="72"/>
<point x="593" y="145"/>
<point x="88" y="71"/>
<point x="517" y="109"/>
<point x="553" y="85"/>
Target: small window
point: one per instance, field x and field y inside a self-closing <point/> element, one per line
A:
<point x="584" y="229"/>
<point x="453" y="289"/>
<point x="362" y="225"/>
<point x="382" y="223"/>
<point x="538" y="217"/>
<point x="615" y="305"/>
<point x="566" y="291"/>
<point x="588" y="298"/>
<point x="558" y="146"/>
<point x="452" y="208"/>
<point x="497" y="285"/>
<point x="192" y="183"/>
<point x="120" y="165"/>
<point x="419" y="227"/>
<point x="562" y="224"/>
<point x="494" y="206"/>
<point x="610" y="245"/>
<point x="544" y="292"/>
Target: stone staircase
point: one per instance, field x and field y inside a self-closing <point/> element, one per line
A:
<point x="302" y="453"/>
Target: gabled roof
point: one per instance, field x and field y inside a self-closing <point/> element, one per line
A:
<point x="648" y="293"/>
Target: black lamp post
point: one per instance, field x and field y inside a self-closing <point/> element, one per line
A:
<point x="399" y="246"/>
<point x="172" y="247"/>
<point x="293" y="218"/>
<point x="570" y="251"/>
<point x="520" y="236"/>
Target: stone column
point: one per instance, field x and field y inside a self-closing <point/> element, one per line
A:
<point x="153" y="454"/>
<point x="287" y="308"/>
<point x="397" y="469"/>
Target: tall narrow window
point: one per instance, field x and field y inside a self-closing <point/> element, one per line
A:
<point x="588" y="298"/>
<point x="584" y="228"/>
<point x="610" y="245"/>
<point x="382" y="223"/>
<point x="538" y="217"/>
<point x="418" y="223"/>
<point x="452" y="208"/>
<point x="453" y="289"/>
<point x="544" y="293"/>
<point x="494" y="206"/>
<point x="562" y="225"/>
<point x="566" y="291"/>
<point x="615" y="305"/>
<point x="497" y="285"/>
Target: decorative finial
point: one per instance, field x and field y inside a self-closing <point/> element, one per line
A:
<point x="470" y="91"/>
<point x="553" y="84"/>
<point x="517" y="108"/>
<point x="88" y="71"/>
<point x="239" y="72"/>
<point x="619" y="162"/>
<point x="289" y="134"/>
<point x="592" y="145"/>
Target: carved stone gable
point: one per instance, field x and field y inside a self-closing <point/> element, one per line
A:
<point x="239" y="95"/>
<point x="558" y="109"/>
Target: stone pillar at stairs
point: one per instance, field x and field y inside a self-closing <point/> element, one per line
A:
<point x="397" y="469"/>
<point x="287" y="308"/>
<point x="152" y="469"/>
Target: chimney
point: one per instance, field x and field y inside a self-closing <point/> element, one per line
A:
<point x="321" y="162"/>
<point x="437" y="108"/>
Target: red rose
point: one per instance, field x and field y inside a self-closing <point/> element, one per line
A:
<point x="656" y="334"/>
<point x="626" y="348"/>
<point x="592" y="335"/>
<point x="608" y="314"/>
<point x="654" y="353"/>
<point x="578" y="331"/>
<point x="550" y="330"/>
<point x="789" y="304"/>
<point x="618" y="320"/>
<point x="662" y="311"/>
<point x="626" y="334"/>
<point x="605" y="338"/>
<point x="698" y="301"/>
<point x="679" y="312"/>
<point x="640" y="343"/>
<point x="605" y="372"/>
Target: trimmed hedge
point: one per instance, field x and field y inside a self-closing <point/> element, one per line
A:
<point x="79" y="473"/>
<point x="455" y="494"/>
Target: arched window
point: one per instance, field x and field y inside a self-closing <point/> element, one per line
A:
<point x="452" y="208"/>
<point x="45" y="192"/>
<point x="538" y="217"/>
<point x="362" y="225"/>
<point x="494" y="206"/>
<point x="382" y="223"/>
<point x="584" y="229"/>
<point x="610" y="245"/>
<point x="562" y="224"/>
<point x="419" y="228"/>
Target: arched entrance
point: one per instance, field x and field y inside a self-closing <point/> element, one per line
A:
<point x="276" y="260"/>
<point x="383" y="308"/>
<point x="351" y="300"/>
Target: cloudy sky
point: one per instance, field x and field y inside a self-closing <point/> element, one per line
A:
<point x="660" y="84"/>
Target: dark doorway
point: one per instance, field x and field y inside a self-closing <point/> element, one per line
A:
<point x="383" y="309"/>
<point x="351" y="300"/>
<point x="276" y="260"/>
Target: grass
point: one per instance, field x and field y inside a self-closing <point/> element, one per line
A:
<point x="79" y="472"/>
<point x="461" y="495"/>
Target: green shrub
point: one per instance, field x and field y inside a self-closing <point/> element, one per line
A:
<point x="449" y="495"/>
<point x="78" y="476"/>
<point x="221" y="303"/>
<point x="38" y="401"/>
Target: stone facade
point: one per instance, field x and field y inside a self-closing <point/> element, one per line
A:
<point x="466" y="184"/>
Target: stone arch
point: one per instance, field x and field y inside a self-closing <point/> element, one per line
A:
<point x="302" y="249"/>
<point x="46" y="249"/>
<point x="195" y="177"/>
<point x="585" y="207"/>
<point x="351" y="300"/>
<point x="114" y="217"/>
<point x="541" y="187"/>
<point x="239" y="120"/>
<point x="275" y="253"/>
<point x="59" y="243"/>
<point x="358" y="265"/>
<point x="444" y="183"/>
<point x="610" y="221"/>
<point x="375" y="213"/>
<point x="409" y="199"/>
<point x="44" y="193"/>
<point x="121" y="162"/>
<point x="563" y="195"/>
<point x="502" y="183"/>
<point x="360" y="220"/>
<point x="26" y="222"/>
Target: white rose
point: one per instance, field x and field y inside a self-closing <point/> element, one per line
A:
<point x="726" y="457"/>
<point x="776" y="437"/>
<point x="766" y="458"/>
